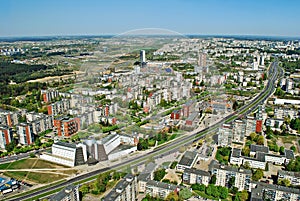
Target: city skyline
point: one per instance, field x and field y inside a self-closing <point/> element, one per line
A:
<point x="46" y="18"/>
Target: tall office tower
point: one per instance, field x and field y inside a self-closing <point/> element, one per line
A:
<point x="262" y="60"/>
<point x="143" y="56"/>
<point x="202" y="60"/>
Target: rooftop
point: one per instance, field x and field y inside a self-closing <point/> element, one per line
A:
<point x="236" y="152"/>
<point x="197" y="172"/>
<point x="65" y="144"/>
<point x="188" y="158"/>
<point x="259" y="148"/>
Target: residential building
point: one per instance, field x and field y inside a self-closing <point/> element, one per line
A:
<point x="6" y="136"/>
<point x="225" y="135"/>
<point x="146" y="175"/>
<point x="49" y="95"/>
<point x="125" y="190"/>
<point x="188" y="107"/>
<point x="193" y="176"/>
<point x="239" y="131"/>
<point x="293" y="177"/>
<point x="188" y="160"/>
<point x="25" y="133"/>
<point x="224" y="173"/>
<point x="262" y="191"/>
<point x="69" y="193"/>
<point x="66" y="126"/>
<point x="160" y="189"/>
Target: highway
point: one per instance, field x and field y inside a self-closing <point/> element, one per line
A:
<point x="274" y="73"/>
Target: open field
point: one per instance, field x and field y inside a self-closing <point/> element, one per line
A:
<point x="52" y="172"/>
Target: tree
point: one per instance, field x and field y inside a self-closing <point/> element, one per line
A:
<point x="208" y="190"/>
<point x="235" y="105"/>
<point x="253" y="136"/>
<point x="159" y="174"/>
<point x="281" y="150"/>
<point x="10" y="146"/>
<point x="241" y="196"/>
<point x="257" y="175"/>
<point x="213" y="179"/>
<point x="284" y="182"/>
<point x="214" y="191"/>
<point x="260" y="140"/>
<point x="246" y="151"/>
<point x="172" y="197"/>
<point x="223" y="192"/>
<point x="185" y="194"/>
<point x="293" y="148"/>
<point x="84" y="189"/>
<point x="231" y="182"/>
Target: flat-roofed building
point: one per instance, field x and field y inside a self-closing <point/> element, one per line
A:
<point x="224" y="173"/>
<point x="125" y="190"/>
<point x="66" y="154"/>
<point x="69" y="193"/>
<point x="188" y="160"/>
<point x="6" y="136"/>
<point x="160" y="189"/>
<point x="195" y="176"/>
<point x="25" y="133"/>
<point x="262" y="191"/>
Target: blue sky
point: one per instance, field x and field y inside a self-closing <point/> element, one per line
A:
<point x="74" y="17"/>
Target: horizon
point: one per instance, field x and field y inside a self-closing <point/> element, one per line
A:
<point x="91" y="17"/>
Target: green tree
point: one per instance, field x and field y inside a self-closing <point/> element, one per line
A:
<point x="231" y="182"/>
<point x="173" y="196"/>
<point x="185" y="194"/>
<point x="281" y="150"/>
<point x="260" y="140"/>
<point x="257" y="175"/>
<point x="159" y="174"/>
<point x="84" y="189"/>
<point x="223" y="191"/>
<point x="246" y="151"/>
<point x="213" y="179"/>
<point x="284" y="182"/>
<point x="10" y="146"/>
<point x="253" y="136"/>
<point x="293" y="148"/>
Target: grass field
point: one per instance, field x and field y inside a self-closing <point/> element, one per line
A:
<point x="35" y="177"/>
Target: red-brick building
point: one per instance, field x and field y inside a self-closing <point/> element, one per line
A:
<point x="66" y="126"/>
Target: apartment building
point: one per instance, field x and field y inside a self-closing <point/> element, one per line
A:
<point x="293" y="177"/>
<point x="160" y="189"/>
<point x="262" y="191"/>
<point x="195" y="176"/>
<point x="6" y="136"/>
<point x="223" y="174"/>
<point x="125" y="190"/>
<point x="25" y="133"/>
<point x="66" y="126"/>
<point x="69" y="193"/>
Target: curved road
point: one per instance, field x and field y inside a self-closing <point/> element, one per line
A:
<point x="274" y="73"/>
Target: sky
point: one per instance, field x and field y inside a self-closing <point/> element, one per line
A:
<point x="96" y="17"/>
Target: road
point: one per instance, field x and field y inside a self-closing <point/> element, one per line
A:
<point x="165" y="149"/>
